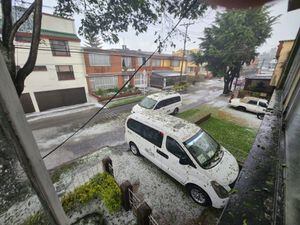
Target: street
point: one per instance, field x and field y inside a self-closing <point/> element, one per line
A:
<point x="106" y="129"/>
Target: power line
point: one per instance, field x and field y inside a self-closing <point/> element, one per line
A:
<point x="124" y="85"/>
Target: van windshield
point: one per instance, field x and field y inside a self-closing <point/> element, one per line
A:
<point x="147" y="103"/>
<point x="203" y="148"/>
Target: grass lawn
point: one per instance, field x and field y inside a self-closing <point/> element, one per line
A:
<point x="227" y="131"/>
<point x="125" y="101"/>
<point x="236" y="139"/>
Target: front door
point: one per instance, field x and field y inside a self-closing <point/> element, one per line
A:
<point x="170" y="155"/>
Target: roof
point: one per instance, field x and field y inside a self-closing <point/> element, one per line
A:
<point x="163" y="95"/>
<point x="128" y="52"/>
<point x="174" y="126"/>
<point x="248" y="98"/>
<point x="166" y="73"/>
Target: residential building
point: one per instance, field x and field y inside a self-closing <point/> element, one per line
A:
<point x="58" y="78"/>
<point x="282" y="54"/>
<point x="267" y="189"/>
<point x="110" y="68"/>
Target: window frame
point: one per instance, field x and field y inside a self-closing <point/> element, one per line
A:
<point x="177" y="64"/>
<point x="265" y="104"/>
<point x="60" y="74"/>
<point x="252" y="101"/>
<point x="93" y="62"/>
<point x="144" y="132"/>
<point x="61" y="53"/>
<point x="184" y="154"/>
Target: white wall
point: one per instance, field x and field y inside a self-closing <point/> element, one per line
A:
<point x="48" y="80"/>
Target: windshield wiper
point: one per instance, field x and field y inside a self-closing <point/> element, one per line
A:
<point x="207" y="162"/>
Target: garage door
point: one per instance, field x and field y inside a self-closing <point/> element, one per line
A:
<point x="27" y="103"/>
<point x="58" y="98"/>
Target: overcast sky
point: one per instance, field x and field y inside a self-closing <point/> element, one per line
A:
<point x="286" y="28"/>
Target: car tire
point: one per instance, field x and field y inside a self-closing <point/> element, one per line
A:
<point x="134" y="149"/>
<point x="241" y="108"/>
<point x="176" y="110"/>
<point x="199" y="195"/>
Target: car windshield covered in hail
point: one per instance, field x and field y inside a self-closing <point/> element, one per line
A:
<point x="204" y="149"/>
<point x="147" y="103"/>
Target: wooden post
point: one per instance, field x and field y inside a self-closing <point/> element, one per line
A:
<point x="107" y="165"/>
<point x="142" y="213"/>
<point x="18" y="135"/>
<point x="126" y="187"/>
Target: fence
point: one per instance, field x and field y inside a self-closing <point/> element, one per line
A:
<point x="130" y="200"/>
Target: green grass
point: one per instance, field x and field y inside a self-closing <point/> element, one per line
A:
<point x="125" y="101"/>
<point x="236" y="139"/>
<point x="193" y="115"/>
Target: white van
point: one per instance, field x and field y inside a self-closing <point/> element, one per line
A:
<point x="185" y="152"/>
<point x="164" y="102"/>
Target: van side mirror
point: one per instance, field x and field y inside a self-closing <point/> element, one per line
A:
<point x="185" y="161"/>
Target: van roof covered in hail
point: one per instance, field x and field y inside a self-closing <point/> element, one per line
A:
<point x="163" y="95"/>
<point x="176" y="127"/>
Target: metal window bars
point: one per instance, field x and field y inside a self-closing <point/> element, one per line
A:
<point x="152" y="221"/>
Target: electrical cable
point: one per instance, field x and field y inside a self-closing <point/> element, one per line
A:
<point x="124" y="85"/>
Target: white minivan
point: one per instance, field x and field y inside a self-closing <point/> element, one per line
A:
<point x="164" y="102"/>
<point x="185" y="152"/>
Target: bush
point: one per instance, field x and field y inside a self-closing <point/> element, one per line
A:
<point x="101" y="92"/>
<point x="37" y="219"/>
<point x="181" y="86"/>
<point x="102" y="186"/>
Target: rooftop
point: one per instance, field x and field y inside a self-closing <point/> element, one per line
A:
<point x="176" y="127"/>
<point x="163" y="94"/>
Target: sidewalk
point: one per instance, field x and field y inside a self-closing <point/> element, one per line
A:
<point x="61" y="111"/>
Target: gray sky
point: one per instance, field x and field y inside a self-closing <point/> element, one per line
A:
<point x="286" y="28"/>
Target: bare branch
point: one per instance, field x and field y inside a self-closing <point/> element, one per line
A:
<point x="31" y="60"/>
<point x="19" y="22"/>
<point x="7" y="21"/>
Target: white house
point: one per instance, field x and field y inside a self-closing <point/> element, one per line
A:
<point x="59" y="75"/>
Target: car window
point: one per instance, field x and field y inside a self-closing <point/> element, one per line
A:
<point x="262" y="104"/>
<point x="161" y="104"/>
<point x="173" y="147"/>
<point x="147" y="103"/>
<point x="149" y="133"/>
<point x="252" y="102"/>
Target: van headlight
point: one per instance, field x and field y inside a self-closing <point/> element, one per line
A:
<point x="219" y="189"/>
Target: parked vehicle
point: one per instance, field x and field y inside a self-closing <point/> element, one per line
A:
<point x="251" y="104"/>
<point x="186" y="153"/>
<point x="164" y="102"/>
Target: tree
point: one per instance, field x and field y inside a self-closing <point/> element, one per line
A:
<point x="105" y="18"/>
<point x="93" y="41"/>
<point x="233" y="40"/>
<point x="198" y="59"/>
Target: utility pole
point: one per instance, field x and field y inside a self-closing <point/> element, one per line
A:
<point x="186" y="25"/>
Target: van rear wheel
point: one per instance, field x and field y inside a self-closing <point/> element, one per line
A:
<point x="199" y="195"/>
<point x="176" y="110"/>
<point x="134" y="149"/>
<point x="241" y="108"/>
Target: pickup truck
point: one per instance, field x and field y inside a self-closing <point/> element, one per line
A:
<point x="251" y="104"/>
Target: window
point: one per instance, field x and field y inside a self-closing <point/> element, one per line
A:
<point x="126" y="62"/>
<point x="23" y="39"/>
<point x="161" y="104"/>
<point x="65" y="72"/>
<point x="155" y="62"/>
<point x="141" y="60"/>
<point x="175" y="63"/>
<point x="150" y="134"/>
<point x="252" y="102"/>
<point x="262" y="104"/>
<point x="40" y="68"/>
<point x="140" y="80"/>
<point x="105" y="82"/>
<point x="147" y="103"/>
<point x="174" y="100"/>
<point x="190" y="69"/>
<point x="59" y="48"/>
<point x="173" y="147"/>
<point x="99" y="60"/>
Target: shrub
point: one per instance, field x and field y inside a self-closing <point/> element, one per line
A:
<point x="102" y="186"/>
<point x="101" y="92"/>
<point x="37" y="219"/>
<point x="181" y="86"/>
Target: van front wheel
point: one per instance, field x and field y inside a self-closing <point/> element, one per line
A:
<point x="134" y="149"/>
<point x="198" y="195"/>
<point x="176" y="110"/>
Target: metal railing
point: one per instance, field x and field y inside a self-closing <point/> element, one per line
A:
<point x="134" y="201"/>
<point x="152" y="221"/>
